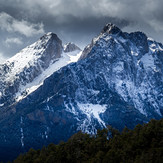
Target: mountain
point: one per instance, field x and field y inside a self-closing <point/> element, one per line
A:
<point x="117" y="81"/>
<point x="69" y="47"/>
<point x="26" y="71"/>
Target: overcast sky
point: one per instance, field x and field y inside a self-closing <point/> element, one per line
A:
<point x="23" y="21"/>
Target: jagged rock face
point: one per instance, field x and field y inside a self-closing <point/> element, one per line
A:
<point x="135" y="68"/>
<point x="118" y="81"/>
<point x="25" y="66"/>
<point x="111" y="29"/>
<point x="71" y="47"/>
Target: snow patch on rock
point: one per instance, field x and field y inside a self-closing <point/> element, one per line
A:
<point x="93" y="110"/>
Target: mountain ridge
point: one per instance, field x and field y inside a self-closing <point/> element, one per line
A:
<point x="117" y="81"/>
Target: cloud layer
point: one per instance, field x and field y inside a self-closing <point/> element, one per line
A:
<point x="13" y="40"/>
<point x="75" y="20"/>
<point x="23" y="27"/>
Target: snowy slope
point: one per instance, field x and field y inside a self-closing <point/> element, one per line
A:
<point x="26" y="71"/>
<point x="66" y="58"/>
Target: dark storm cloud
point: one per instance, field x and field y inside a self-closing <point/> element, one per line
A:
<point x="24" y="21"/>
<point x="81" y="31"/>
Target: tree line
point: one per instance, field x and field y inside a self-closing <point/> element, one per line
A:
<point x="143" y="144"/>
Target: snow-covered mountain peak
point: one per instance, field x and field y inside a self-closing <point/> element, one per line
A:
<point x="42" y="51"/>
<point x="112" y="36"/>
<point x="69" y="47"/>
<point x="50" y="35"/>
<point x="134" y="61"/>
<point x="25" y="71"/>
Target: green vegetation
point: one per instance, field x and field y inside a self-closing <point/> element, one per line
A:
<point x="144" y="144"/>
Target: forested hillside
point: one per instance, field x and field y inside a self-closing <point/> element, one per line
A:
<point x="143" y="144"/>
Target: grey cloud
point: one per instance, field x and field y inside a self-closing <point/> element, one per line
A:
<point x="80" y="20"/>
<point x="10" y="24"/>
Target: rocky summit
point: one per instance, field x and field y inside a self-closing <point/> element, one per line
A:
<point x="117" y="81"/>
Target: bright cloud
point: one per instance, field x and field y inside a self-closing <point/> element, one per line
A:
<point x="2" y="58"/>
<point x="13" y="40"/>
<point x="23" y="27"/>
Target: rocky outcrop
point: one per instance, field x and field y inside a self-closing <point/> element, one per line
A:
<point x="70" y="47"/>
